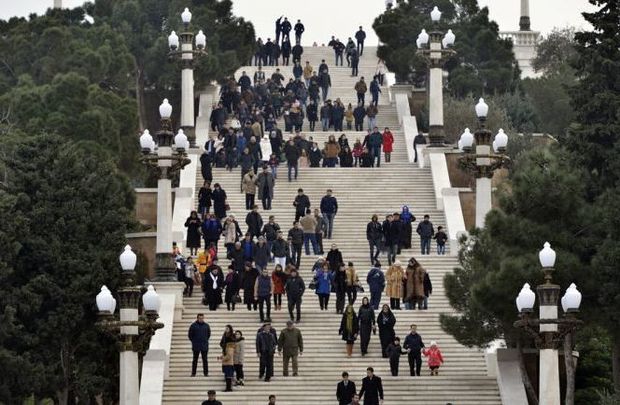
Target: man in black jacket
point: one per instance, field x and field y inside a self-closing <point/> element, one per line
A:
<point x="360" y="36"/>
<point x="418" y="140"/>
<point x="292" y="153"/>
<point x="278" y="29"/>
<point x="426" y="231"/>
<point x="294" y="288"/>
<point x="393" y="236"/>
<point x="374" y="234"/>
<point x="299" y="29"/>
<point x="297" y="51"/>
<point x="359" y="113"/>
<point x="199" y="334"/>
<point x="414" y="344"/>
<point x="296" y="236"/>
<point x="372" y="388"/>
<point x="286" y="29"/>
<point x="266" y="344"/>
<point x="301" y="203"/>
<point x="345" y="390"/>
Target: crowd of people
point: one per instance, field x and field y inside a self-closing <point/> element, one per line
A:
<point x="265" y="259"/>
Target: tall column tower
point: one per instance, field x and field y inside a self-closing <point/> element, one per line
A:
<point x="524" y="21"/>
<point x="57" y="3"/>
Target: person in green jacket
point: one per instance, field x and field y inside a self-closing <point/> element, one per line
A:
<point x="291" y="344"/>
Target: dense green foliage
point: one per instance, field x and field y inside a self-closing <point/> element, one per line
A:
<point x="65" y="211"/>
<point x="568" y="195"/>
<point x="484" y="63"/>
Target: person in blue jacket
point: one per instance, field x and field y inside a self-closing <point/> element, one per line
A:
<point x="376" y="282"/>
<point x="199" y="334"/>
<point x="324" y="280"/>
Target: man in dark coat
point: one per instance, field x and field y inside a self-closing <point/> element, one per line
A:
<point x="374" y="234"/>
<point x="299" y="29"/>
<point x="254" y="221"/>
<point x="211" y="399"/>
<point x="418" y="140"/>
<point x="329" y="209"/>
<point x="360" y="36"/>
<point x="372" y="388"/>
<point x="376" y="283"/>
<point x="278" y="29"/>
<point x="297" y="51"/>
<point x="296" y="236"/>
<point x="205" y="167"/>
<point x="265" y="184"/>
<point x="199" y="334"/>
<point x="345" y="390"/>
<point x="359" y="113"/>
<point x="426" y="231"/>
<point x="393" y="236"/>
<point x="286" y="52"/>
<point x="244" y="82"/>
<point x="213" y="284"/>
<point x="292" y="153"/>
<point x="414" y="344"/>
<point x="294" y="288"/>
<point x="301" y="203"/>
<point x="286" y="29"/>
<point x="266" y="344"/>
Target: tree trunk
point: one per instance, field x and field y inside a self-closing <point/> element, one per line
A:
<point x="527" y="383"/>
<point x="615" y="362"/>
<point x="569" y="364"/>
<point x="140" y="98"/>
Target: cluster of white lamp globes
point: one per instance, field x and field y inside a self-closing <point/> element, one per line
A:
<point x="106" y="303"/>
<point x="423" y="37"/>
<point x="571" y="301"/>
<point x="466" y="141"/>
<point x="147" y="143"/>
<point x="173" y="38"/>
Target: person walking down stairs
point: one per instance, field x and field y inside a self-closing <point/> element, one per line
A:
<point x="291" y="345"/>
<point x="211" y="399"/>
<point x="372" y="388"/>
<point x="345" y="390"/>
<point x="266" y="344"/>
<point x="435" y="358"/>
<point x="349" y="329"/>
<point x="199" y="334"/>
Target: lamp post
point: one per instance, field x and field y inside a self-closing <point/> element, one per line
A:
<point x="483" y="162"/>
<point x="436" y="53"/>
<point x="548" y="331"/>
<point x="186" y="52"/>
<point x="166" y="161"/>
<point x="132" y="330"/>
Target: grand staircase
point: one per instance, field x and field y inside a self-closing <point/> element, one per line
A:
<point x="361" y="192"/>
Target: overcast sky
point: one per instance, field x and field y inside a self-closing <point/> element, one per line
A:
<point x="324" y="18"/>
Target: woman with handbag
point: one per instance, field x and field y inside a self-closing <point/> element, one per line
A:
<point x="231" y="282"/>
<point x="349" y="328"/>
<point x="353" y="283"/>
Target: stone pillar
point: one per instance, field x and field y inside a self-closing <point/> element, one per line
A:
<point x="524" y="21"/>
<point x="187" y="87"/>
<point x="549" y="373"/>
<point x="435" y="92"/>
<point x="549" y="383"/>
<point x="129" y="372"/>
<point x="164" y="262"/>
<point x="483" y="183"/>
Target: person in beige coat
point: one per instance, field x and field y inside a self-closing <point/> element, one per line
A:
<point x="353" y="283"/>
<point x="238" y="357"/>
<point x="248" y="186"/>
<point x="308" y="225"/>
<point x="414" y="287"/>
<point x="394" y="279"/>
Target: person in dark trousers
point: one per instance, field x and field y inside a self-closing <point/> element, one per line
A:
<point x="376" y="283"/>
<point x="266" y="345"/>
<point x="345" y="390"/>
<point x="286" y="29"/>
<point x="360" y="36"/>
<point x="199" y="334"/>
<point x="263" y="290"/>
<point x="359" y="113"/>
<point x="211" y="399"/>
<point x="265" y="183"/>
<point x="294" y="288"/>
<point x="428" y="289"/>
<point x="254" y="221"/>
<point x="296" y="237"/>
<point x="426" y="232"/>
<point x="375" y="89"/>
<point x="386" y="321"/>
<point x="418" y="140"/>
<point x="355" y="62"/>
<point x="291" y="345"/>
<point x="372" y="388"/>
<point x="278" y="29"/>
<point x="320" y="231"/>
<point x="299" y="29"/>
<point x="394" y="351"/>
<point x="414" y="345"/>
<point x="374" y="234"/>
<point x="292" y="153"/>
<point x="366" y="316"/>
<point x="441" y="238"/>
<point x="329" y="209"/>
<point x="301" y="203"/>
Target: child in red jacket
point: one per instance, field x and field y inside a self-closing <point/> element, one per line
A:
<point x="435" y="359"/>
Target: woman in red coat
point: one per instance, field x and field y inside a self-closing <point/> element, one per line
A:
<point x="388" y="141"/>
<point x="278" y="277"/>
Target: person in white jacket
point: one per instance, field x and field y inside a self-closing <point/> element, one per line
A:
<point x="381" y="71"/>
<point x="265" y="148"/>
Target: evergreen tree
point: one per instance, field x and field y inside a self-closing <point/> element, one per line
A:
<point x="70" y="209"/>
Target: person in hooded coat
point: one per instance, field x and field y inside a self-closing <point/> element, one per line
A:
<point x="248" y="280"/>
<point x="349" y="328"/>
<point x="231" y="282"/>
<point x="366" y="316"/>
<point x="386" y="321"/>
<point x="407" y="218"/>
<point x="213" y="283"/>
<point x="219" y="201"/>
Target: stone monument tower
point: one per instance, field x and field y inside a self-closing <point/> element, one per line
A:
<point x="524" y="21"/>
<point x="524" y="42"/>
<point x="57" y="3"/>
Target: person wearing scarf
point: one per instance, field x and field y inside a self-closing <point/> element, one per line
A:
<point x="407" y="219"/>
<point x="349" y="328"/>
<point x="213" y="283"/>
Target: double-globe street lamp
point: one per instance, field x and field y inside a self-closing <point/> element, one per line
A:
<point x="482" y="161"/>
<point x="548" y="331"/>
<point x="185" y="50"/>
<point x="436" y="53"/>
<point x="166" y="159"/>
<point x="133" y="331"/>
